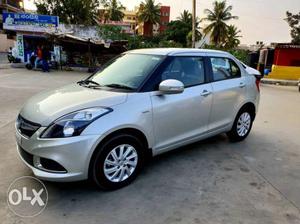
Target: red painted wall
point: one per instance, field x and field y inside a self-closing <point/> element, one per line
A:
<point x="164" y="18"/>
<point x="287" y="56"/>
<point x="147" y="29"/>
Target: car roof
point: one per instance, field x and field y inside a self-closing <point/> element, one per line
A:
<point x="176" y="51"/>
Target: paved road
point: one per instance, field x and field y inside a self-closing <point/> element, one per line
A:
<point x="213" y="181"/>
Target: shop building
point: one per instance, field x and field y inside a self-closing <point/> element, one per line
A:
<point x="10" y="6"/>
<point x="7" y="39"/>
<point x="69" y="45"/>
<point x="30" y="31"/>
<point x="286" y="62"/>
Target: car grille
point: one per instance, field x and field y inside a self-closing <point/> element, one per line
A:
<point x="26" y="128"/>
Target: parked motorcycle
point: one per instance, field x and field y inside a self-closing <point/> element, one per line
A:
<point x="12" y="59"/>
<point x="31" y="63"/>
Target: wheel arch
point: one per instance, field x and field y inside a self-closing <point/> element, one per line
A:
<point x="131" y="131"/>
<point x="249" y="106"/>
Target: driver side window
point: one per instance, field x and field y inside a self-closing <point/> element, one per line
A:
<point x="188" y="70"/>
<point x="224" y="68"/>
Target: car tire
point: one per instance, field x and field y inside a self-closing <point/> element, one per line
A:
<point x="104" y="162"/>
<point x="242" y="126"/>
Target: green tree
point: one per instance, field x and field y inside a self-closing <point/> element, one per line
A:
<point x="111" y="32"/>
<point x="218" y="17"/>
<point x="241" y="54"/>
<point x="185" y="17"/>
<point x="70" y="11"/>
<point x="114" y="10"/>
<point x="177" y="31"/>
<point x="232" y="38"/>
<point x="294" y="23"/>
<point x="180" y="30"/>
<point x="149" y="13"/>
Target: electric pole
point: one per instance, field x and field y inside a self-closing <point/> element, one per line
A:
<point x="194" y="24"/>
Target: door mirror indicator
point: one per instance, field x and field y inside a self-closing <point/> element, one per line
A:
<point x="171" y="86"/>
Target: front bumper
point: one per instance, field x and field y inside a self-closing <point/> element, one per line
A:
<point x="73" y="154"/>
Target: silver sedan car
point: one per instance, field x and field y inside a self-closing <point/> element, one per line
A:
<point x="140" y="104"/>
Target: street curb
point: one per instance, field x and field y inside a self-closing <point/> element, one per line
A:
<point x="281" y="82"/>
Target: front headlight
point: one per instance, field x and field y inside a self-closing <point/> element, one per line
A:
<point x="74" y="123"/>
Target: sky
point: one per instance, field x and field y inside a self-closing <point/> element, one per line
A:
<point x="259" y="20"/>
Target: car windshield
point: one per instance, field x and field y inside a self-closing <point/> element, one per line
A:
<point x="128" y="71"/>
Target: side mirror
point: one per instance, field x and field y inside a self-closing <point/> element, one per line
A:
<point x="171" y="86"/>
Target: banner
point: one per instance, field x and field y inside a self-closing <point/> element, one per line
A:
<point x="20" y="47"/>
<point x="29" y="22"/>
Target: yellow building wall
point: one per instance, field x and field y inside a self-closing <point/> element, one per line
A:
<point x="130" y="17"/>
<point x="284" y="72"/>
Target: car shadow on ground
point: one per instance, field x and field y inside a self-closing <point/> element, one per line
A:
<point x="179" y="155"/>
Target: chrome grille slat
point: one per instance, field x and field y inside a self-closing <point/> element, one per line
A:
<point x="25" y="127"/>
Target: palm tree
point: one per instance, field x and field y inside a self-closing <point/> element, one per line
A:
<point x="185" y="17"/>
<point x="113" y="10"/>
<point x="149" y="13"/>
<point x="218" y="17"/>
<point x="232" y="39"/>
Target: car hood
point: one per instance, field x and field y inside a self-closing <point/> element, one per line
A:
<point x="47" y="106"/>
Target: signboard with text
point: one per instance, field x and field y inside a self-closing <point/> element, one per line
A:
<point x="29" y="22"/>
<point x="20" y="47"/>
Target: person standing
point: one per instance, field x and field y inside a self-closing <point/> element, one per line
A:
<point x="39" y="56"/>
<point x="9" y="55"/>
<point x="45" y="58"/>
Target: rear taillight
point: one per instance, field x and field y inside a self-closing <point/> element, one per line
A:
<point x="257" y="82"/>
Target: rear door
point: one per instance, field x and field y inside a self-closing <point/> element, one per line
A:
<point x="229" y="91"/>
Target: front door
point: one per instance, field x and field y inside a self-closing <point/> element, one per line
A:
<point x="179" y="118"/>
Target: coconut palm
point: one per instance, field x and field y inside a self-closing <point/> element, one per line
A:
<point x="185" y="17"/>
<point x="149" y="13"/>
<point x="180" y="30"/>
<point x="218" y="17"/>
<point x="113" y="10"/>
<point x="232" y="39"/>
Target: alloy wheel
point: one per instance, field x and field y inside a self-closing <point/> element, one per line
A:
<point x="243" y="124"/>
<point x="120" y="163"/>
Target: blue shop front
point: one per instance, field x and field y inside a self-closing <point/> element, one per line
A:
<point x="31" y="30"/>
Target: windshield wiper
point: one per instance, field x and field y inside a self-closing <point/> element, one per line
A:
<point x="87" y="81"/>
<point x="119" y="86"/>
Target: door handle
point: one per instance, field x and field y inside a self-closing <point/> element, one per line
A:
<point x="242" y="85"/>
<point x="205" y="93"/>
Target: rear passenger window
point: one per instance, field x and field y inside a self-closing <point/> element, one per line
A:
<point x="188" y="70"/>
<point x="224" y="68"/>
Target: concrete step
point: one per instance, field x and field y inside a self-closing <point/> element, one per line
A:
<point x="282" y="82"/>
